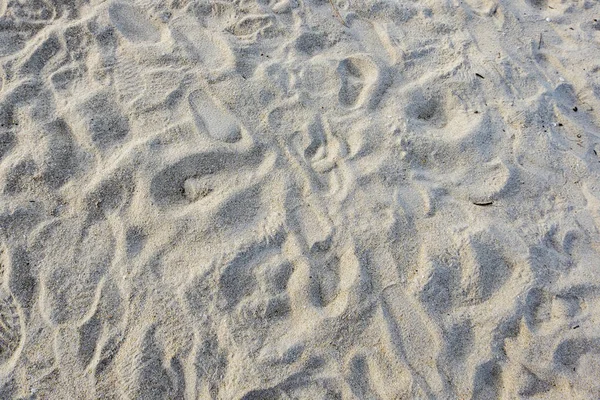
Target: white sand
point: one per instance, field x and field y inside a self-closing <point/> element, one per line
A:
<point x="253" y="200"/>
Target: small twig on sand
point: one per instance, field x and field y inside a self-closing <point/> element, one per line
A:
<point x="540" y="42"/>
<point x="337" y="13"/>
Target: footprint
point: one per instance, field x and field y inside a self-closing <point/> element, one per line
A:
<point x="64" y="77"/>
<point x="10" y="328"/>
<point x="104" y="119"/>
<point x="194" y="175"/>
<point x="428" y="109"/>
<point x="207" y="47"/>
<point x="107" y="355"/>
<point x="460" y="340"/>
<point x="290" y="113"/>
<point x="546" y="311"/>
<point x="310" y="43"/>
<point x="329" y="279"/>
<point x="486" y="268"/>
<point x="211" y="360"/>
<point x="199" y="296"/>
<point x="273" y="277"/>
<point x="257" y="268"/>
<point x="285" y="353"/>
<point x="323" y="149"/>
<point x="215" y="120"/>
<point x="569" y="352"/>
<point x="78" y="40"/>
<point x="112" y="193"/>
<point x="425" y="108"/>
<point x="257" y="306"/>
<point x="484" y="8"/>
<point x="98" y="342"/>
<point x="320" y="81"/>
<point x="545" y="5"/>
<point x="325" y="279"/>
<point x="262" y="394"/>
<point x="89" y="333"/>
<point x="27" y="91"/>
<point x="20" y="177"/>
<point x="526" y="383"/>
<point x="14" y="36"/>
<point x="72" y="277"/>
<point x="142" y="370"/>
<point x="260" y="311"/>
<point x="537" y="3"/>
<point x="436" y="291"/>
<point x="21" y="280"/>
<point x="8" y="140"/>
<point x="359" y="376"/>
<point x="7" y="116"/>
<point x="538" y="308"/>
<point x="488" y="383"/>
<point x="361" y="82"/>
<point x="435" y="278"/>
<point x="237" y="280"/>
<point x="322" y="155"/>
<point x="305" y="384"/>
<point x="61" y="158"/>
<point x="487" y="183"/>
<point x="253" y="25"/>
<point x="587" y="371"/>
<point x="132" y="23"/>
<point x="20" y="221"/>
<point x="30" y="11"/>
<point x="42" y="54"/>
<point x="415" y="338"/>
<point x="312" y="388"/>
<point x="135" y="240"/>
<point x="64" y="299"/>
<point x="197" y="188"/>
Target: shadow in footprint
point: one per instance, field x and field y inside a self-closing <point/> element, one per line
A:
<point x="426" y="108"/>
<point x="487" y="381"/>
<point x="325" y="280"/>
<point x="8" y="140"/>
<point x="145" y="374"/>
<point x="486" y="267"/>
<point x="568" y="352"/>
<point x="104" y="119"/>
<point x="361" y="82"/>
<point x="172" y="185"/>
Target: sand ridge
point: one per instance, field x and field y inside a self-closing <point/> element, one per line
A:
<point x="250" y="199"/>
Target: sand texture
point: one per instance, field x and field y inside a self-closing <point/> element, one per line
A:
<point x="269" y="200"/>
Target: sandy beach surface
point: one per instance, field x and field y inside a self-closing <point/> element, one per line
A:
<point x="300" y="199"/>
